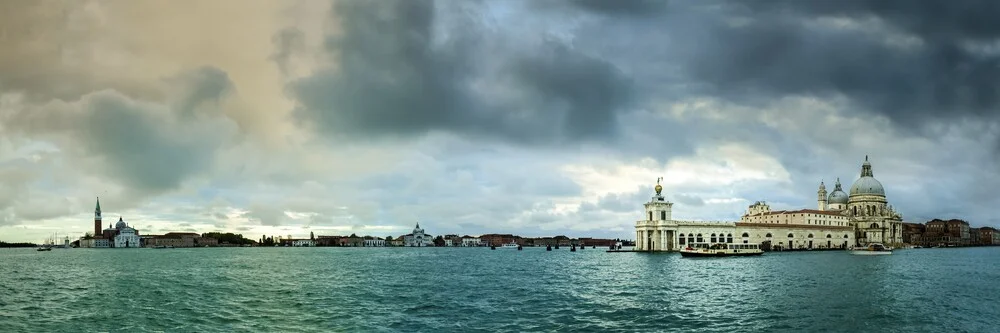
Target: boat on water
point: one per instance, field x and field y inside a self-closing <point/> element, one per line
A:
<point x="44" y="249"/>
<point x="721" y="250"/>
<point x="872" y="249"/>
<point x="510" y="245"/>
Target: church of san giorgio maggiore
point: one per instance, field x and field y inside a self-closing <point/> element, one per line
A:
<point x="840" y="220"/>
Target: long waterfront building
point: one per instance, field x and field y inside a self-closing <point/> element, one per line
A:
<point x="840" y="220"/>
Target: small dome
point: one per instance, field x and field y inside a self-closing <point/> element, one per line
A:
<point x="867" y="186"/>
<point x="120" y="224"/>
<point x="838" y="197"/>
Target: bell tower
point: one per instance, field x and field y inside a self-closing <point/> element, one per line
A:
<point x="97" y="218"/>
<point x="821" y="196"/>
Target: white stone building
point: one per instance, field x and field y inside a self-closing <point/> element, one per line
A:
<point x="125" y="236"/>
<point x="471" y="242"/>
<point x="374" y="242"/>
<point x="841" y="220"/>
<point x="418" y="238"/>
<point x="303" y="243"/>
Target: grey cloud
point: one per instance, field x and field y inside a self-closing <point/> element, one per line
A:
<point x="287" y="43"/>
<point x="396" y="75"/>
<point x="632" y="7"/>
<point x="689" y="200"/>
<point x="146" y="147"/>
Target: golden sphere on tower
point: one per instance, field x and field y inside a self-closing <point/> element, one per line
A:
<point x="658" y="189"/>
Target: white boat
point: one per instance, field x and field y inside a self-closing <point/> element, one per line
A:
<point x="873" y="249"/>
<point x="721" y="250"/>
<point x="510" y="245"/>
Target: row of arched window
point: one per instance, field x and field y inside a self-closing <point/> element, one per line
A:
<point x="728" y="238"/>
<point x="870" y="210"/>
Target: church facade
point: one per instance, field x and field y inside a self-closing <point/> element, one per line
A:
<point x="840" y="220"/>
<point x="418" y="238"/>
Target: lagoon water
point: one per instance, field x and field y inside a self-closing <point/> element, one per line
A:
<point x="476" y="289"/>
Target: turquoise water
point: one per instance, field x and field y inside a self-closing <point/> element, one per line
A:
<point x="475" y="289"/>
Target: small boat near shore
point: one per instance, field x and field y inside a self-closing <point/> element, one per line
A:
<point x="721" y="250"/>
<point x="873" y="249"/>
<point x="510" y="246"/>
<point x="44" y="249"/>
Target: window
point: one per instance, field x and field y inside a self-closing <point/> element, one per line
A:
<point x="663" y="215"/>
<point x="790" y="235"/>
<point x="650" y="216"/>
<point x="768" y="235"/>
<point x="700" y="239"/>
<point x="829" y="236"/>
<point x="690" y="238"/>
<point x="810" y="235"/>
<point x="681" y="239"/>
<point x="713" y="238"/>
<point x="745" y="235"/>
<point x="729" y="238"/>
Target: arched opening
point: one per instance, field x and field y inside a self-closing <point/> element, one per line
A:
<point x="855" y="210"/>
<point x="690" y="238"/>
<point x="768" y="235"/>
<point x="663" y="215"/>
<point x="790" y="235"/>
<point x="713" y="238"/>
<point x="810" y="235"/>
<point x="680" y="239"/>
<point x="729" y="238"/>
<point x="874" y="226"/>
<point x="650" y="216"/>
<point x="700" y="239"/>
<point x="829" y="236"/>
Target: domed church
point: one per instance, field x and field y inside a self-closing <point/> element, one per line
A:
<point x="873" y="219"/>
<point x="842" y="220"/>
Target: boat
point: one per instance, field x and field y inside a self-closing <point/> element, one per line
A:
<point x="511" y="245"/>
<point x="721" y="250"/>
<point x="873" y="249"/>
<point x="44" y="249"/>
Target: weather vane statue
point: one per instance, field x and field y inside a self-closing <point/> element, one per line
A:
<point x="658" y="187"/>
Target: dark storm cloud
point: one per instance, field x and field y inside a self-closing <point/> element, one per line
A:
<point x="632" y="7"/>
<point x="403" y="70"/>
<point x="908" y="60"/>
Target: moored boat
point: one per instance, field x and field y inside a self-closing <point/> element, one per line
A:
<point x="872" y="249"/>
<point x="511" y="245"/>
<point x="721" y="250"/>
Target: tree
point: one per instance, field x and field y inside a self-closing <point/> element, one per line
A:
<point x="439" y="241"/>
<point x="388" y="239"/>
<point x="311" y="236"/>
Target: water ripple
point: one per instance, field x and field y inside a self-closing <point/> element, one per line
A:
<point x="463" y="290"/>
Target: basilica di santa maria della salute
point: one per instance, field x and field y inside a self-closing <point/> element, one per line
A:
<point x="841" y="220"/>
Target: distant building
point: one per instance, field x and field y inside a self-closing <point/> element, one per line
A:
<point x="303" y="243"/>
<point x="470" y="241"/>
<point x="374" y="242"/>
<point x="989" y="236"/>
<point x="418" y="238"/>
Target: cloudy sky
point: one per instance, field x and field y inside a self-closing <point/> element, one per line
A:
<point x="470" y="117"/>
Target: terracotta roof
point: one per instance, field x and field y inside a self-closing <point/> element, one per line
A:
<point x="801" y="211"/>
<point x="794" y="226"/>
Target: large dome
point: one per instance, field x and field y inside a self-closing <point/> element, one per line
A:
<point x="867" y="185"/>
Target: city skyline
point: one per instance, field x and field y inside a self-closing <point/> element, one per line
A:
<point x="521" y="117"/>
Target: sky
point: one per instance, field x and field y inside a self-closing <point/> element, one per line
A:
<point x="528" y="117"/>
